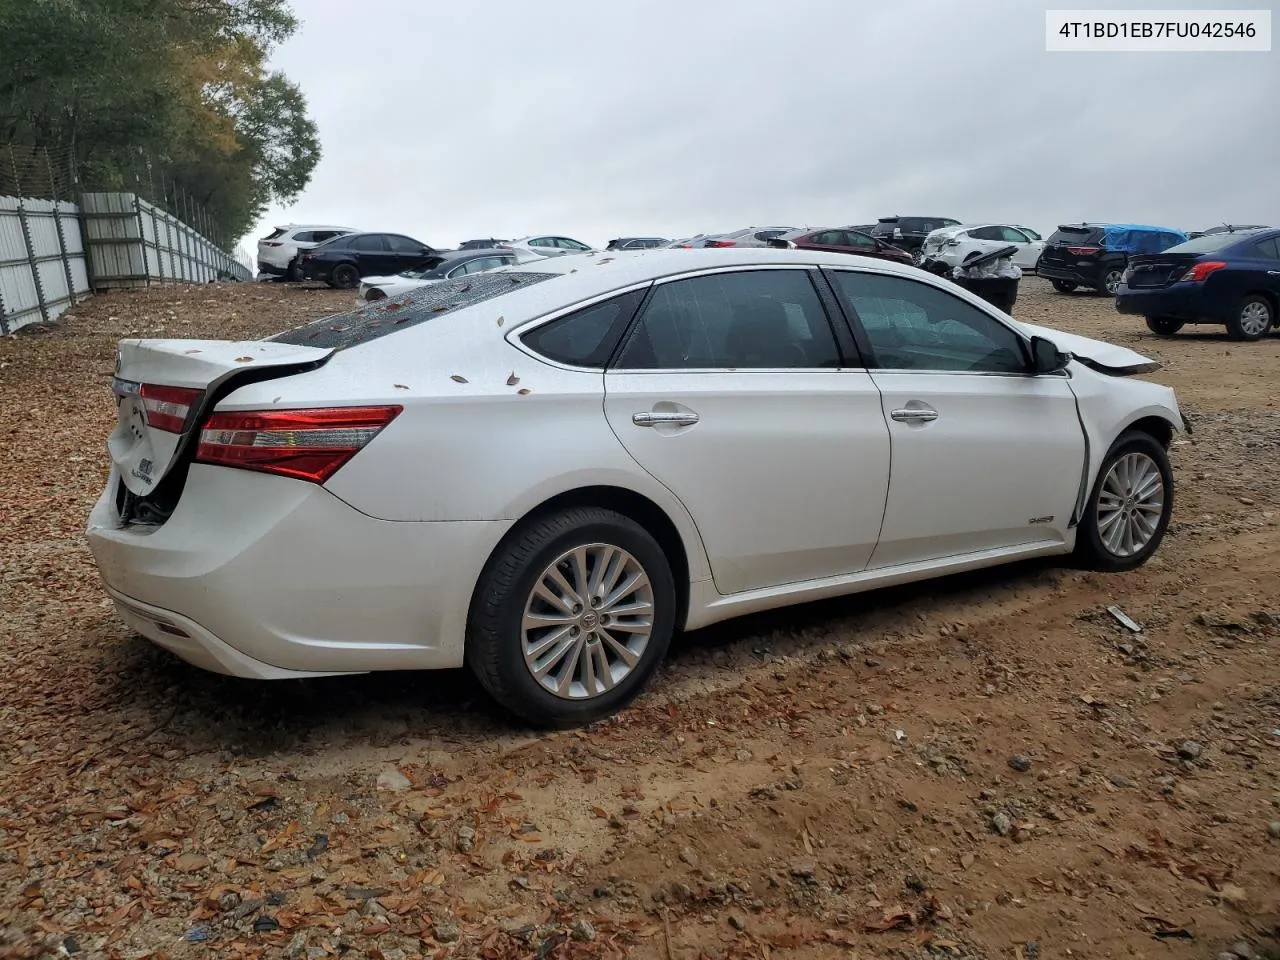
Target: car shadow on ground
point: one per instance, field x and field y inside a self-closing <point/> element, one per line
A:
<point x="198" y="712"/>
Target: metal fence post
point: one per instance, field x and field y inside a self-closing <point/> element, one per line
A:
<point x="62" y="238"/>
<point x="26" y="239"/>
<point x="142" y="239"/>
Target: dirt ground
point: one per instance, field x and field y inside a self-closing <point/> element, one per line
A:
<point x="987" y="766"/>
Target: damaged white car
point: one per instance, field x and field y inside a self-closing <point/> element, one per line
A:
<point x="953" y="246"/>
<point x="546" y="471"/>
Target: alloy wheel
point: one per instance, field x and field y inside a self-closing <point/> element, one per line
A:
<point x="1255" y="318"/>
<point x="587" y="621"/>
<point x="1130" y="504"/>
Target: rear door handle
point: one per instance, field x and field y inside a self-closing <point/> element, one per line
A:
<point x="915" y="415"/>
<point x="673" y="418"/>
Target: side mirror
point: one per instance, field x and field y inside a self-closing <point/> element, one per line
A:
<point x="1046" y="358"/>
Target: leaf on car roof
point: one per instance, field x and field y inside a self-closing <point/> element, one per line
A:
<point x="523" y="391"/>
<point x="458" y="379"/>
<point x="244" y="359"/>
<point x="501" y="320"/>
<point x="400" y="386"/>
<point x="393" y="306"/>
<point x="513" y="379"/>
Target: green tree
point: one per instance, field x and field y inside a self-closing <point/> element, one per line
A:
<point x="136" y="92"/>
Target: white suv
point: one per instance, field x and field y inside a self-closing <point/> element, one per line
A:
<point x="278" y="251"/>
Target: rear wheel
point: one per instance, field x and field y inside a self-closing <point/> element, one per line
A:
<point x="1063" y="286"/>
<point x="1164" y="326"/>
<point x="1252" y="319"/>
<point x="294" y="271"/>
<point x="1110" y="281"/>
<point x="1127" y="515"/>
<point x="571" y="617"/>
<point x="344" y="276"/>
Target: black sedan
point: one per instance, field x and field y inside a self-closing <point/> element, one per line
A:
<point x="1229" y="278"/>
<point x="343" y="261"/>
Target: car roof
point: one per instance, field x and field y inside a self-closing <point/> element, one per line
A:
<point x="313" y="226"/>
<point x="475" y="253"/>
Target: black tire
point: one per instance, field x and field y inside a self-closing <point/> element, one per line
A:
<point x="1244" y="323"/>
<point x="1091" y="550"/>
<point x="1064" y="286"/>
<point x="494" y="636"/>
<point x="344" y="276"/>
<point x="1109" y="281"/>
<point x="293" y="273"/>
<point x="1165" y="326"/>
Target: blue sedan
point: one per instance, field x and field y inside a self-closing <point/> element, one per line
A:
<point x="1232" y="279"/>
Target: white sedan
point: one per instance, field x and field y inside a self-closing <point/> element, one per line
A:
<point x="954" y="245"/>
<point x="545" y="471"/>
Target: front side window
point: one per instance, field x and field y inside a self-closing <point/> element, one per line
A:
<point x="916" y="326"/>
<point x="403" y="245"/>
<point x="986" y="233"/>
<point x="1012" y="235"/>
<point x="541" y="242"/>
<point x="758" y="319"/>
<point x="586" y="337"/>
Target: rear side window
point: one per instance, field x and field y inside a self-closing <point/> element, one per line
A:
<point x="586" y="337"/>
<point x="418" y="306"/>
<point x="305" y="236"/>
<point x="369" y="243"/>
<point x="758" y="319"/>
<point x="1269" y="248"/>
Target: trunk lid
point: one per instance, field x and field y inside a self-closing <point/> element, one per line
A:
<point x="166" y="386"/>
<point x="1151" y="270"/>
<point x="1057" y="247"/>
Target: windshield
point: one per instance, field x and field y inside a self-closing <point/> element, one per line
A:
<point x="1209" y="243"/>
<point x="422" y="269"/>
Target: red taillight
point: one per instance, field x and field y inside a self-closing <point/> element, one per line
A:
<point x="722" y="243"/>
<point x="1083" y="251"/>
<point x="166" y="408"/>
<point x="303" y="444"/>
<point x="1201" y="270"/>
<point x="272" y="243"/>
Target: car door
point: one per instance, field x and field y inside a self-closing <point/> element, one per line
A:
<point x="405" y="253"/>
<point x="986" y="455"/>
<point x="828" y="240"/>
<point x="1268" y="251"/>
<point x="1029" y="250"/>
<point x="730" y="390"/>
<point x="372" y="255"/>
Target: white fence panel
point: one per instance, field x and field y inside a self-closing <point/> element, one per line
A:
<point x="54" y="253"/>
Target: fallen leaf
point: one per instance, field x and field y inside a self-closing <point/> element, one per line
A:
<point x="244" y="359"/>
<point x="393" y="306"/>
<point x="513" y="379"/>
<point x="400" y="386"/>
<point x="524" y="391"/>
<point x="457" y="379"/>
<point x="501" y="320"/>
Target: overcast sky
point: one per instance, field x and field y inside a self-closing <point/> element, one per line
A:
<point x="605" y="118"/>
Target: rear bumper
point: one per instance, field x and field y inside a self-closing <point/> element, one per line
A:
<point x="1087" y="276"/>
<point x="272" y="269"/>
<point x="1180" y="301"/>
<point x="265" y="577"/>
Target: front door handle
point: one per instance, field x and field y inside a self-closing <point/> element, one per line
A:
<point x="915" y="415"/>
<point x="675" y="418"/>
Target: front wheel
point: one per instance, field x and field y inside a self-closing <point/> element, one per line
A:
<point x="1129" y="510"/>
<point x="571" y="617"/>
<point x="1063" y="286"/>
<point x="1164" y="326"/>
<point x="1252" y="319"/>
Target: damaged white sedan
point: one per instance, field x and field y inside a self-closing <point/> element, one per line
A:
<point x="546" y="471"/>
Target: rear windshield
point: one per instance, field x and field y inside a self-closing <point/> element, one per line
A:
<point x="422" y="269"/>
<point x="418" y="306"/>
<point x="278" y="231"/>
<point x="1207" y="244"/>
<point x="1076" y="235"/>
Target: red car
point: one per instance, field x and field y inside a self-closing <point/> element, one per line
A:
<point x="842" y="240"/>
